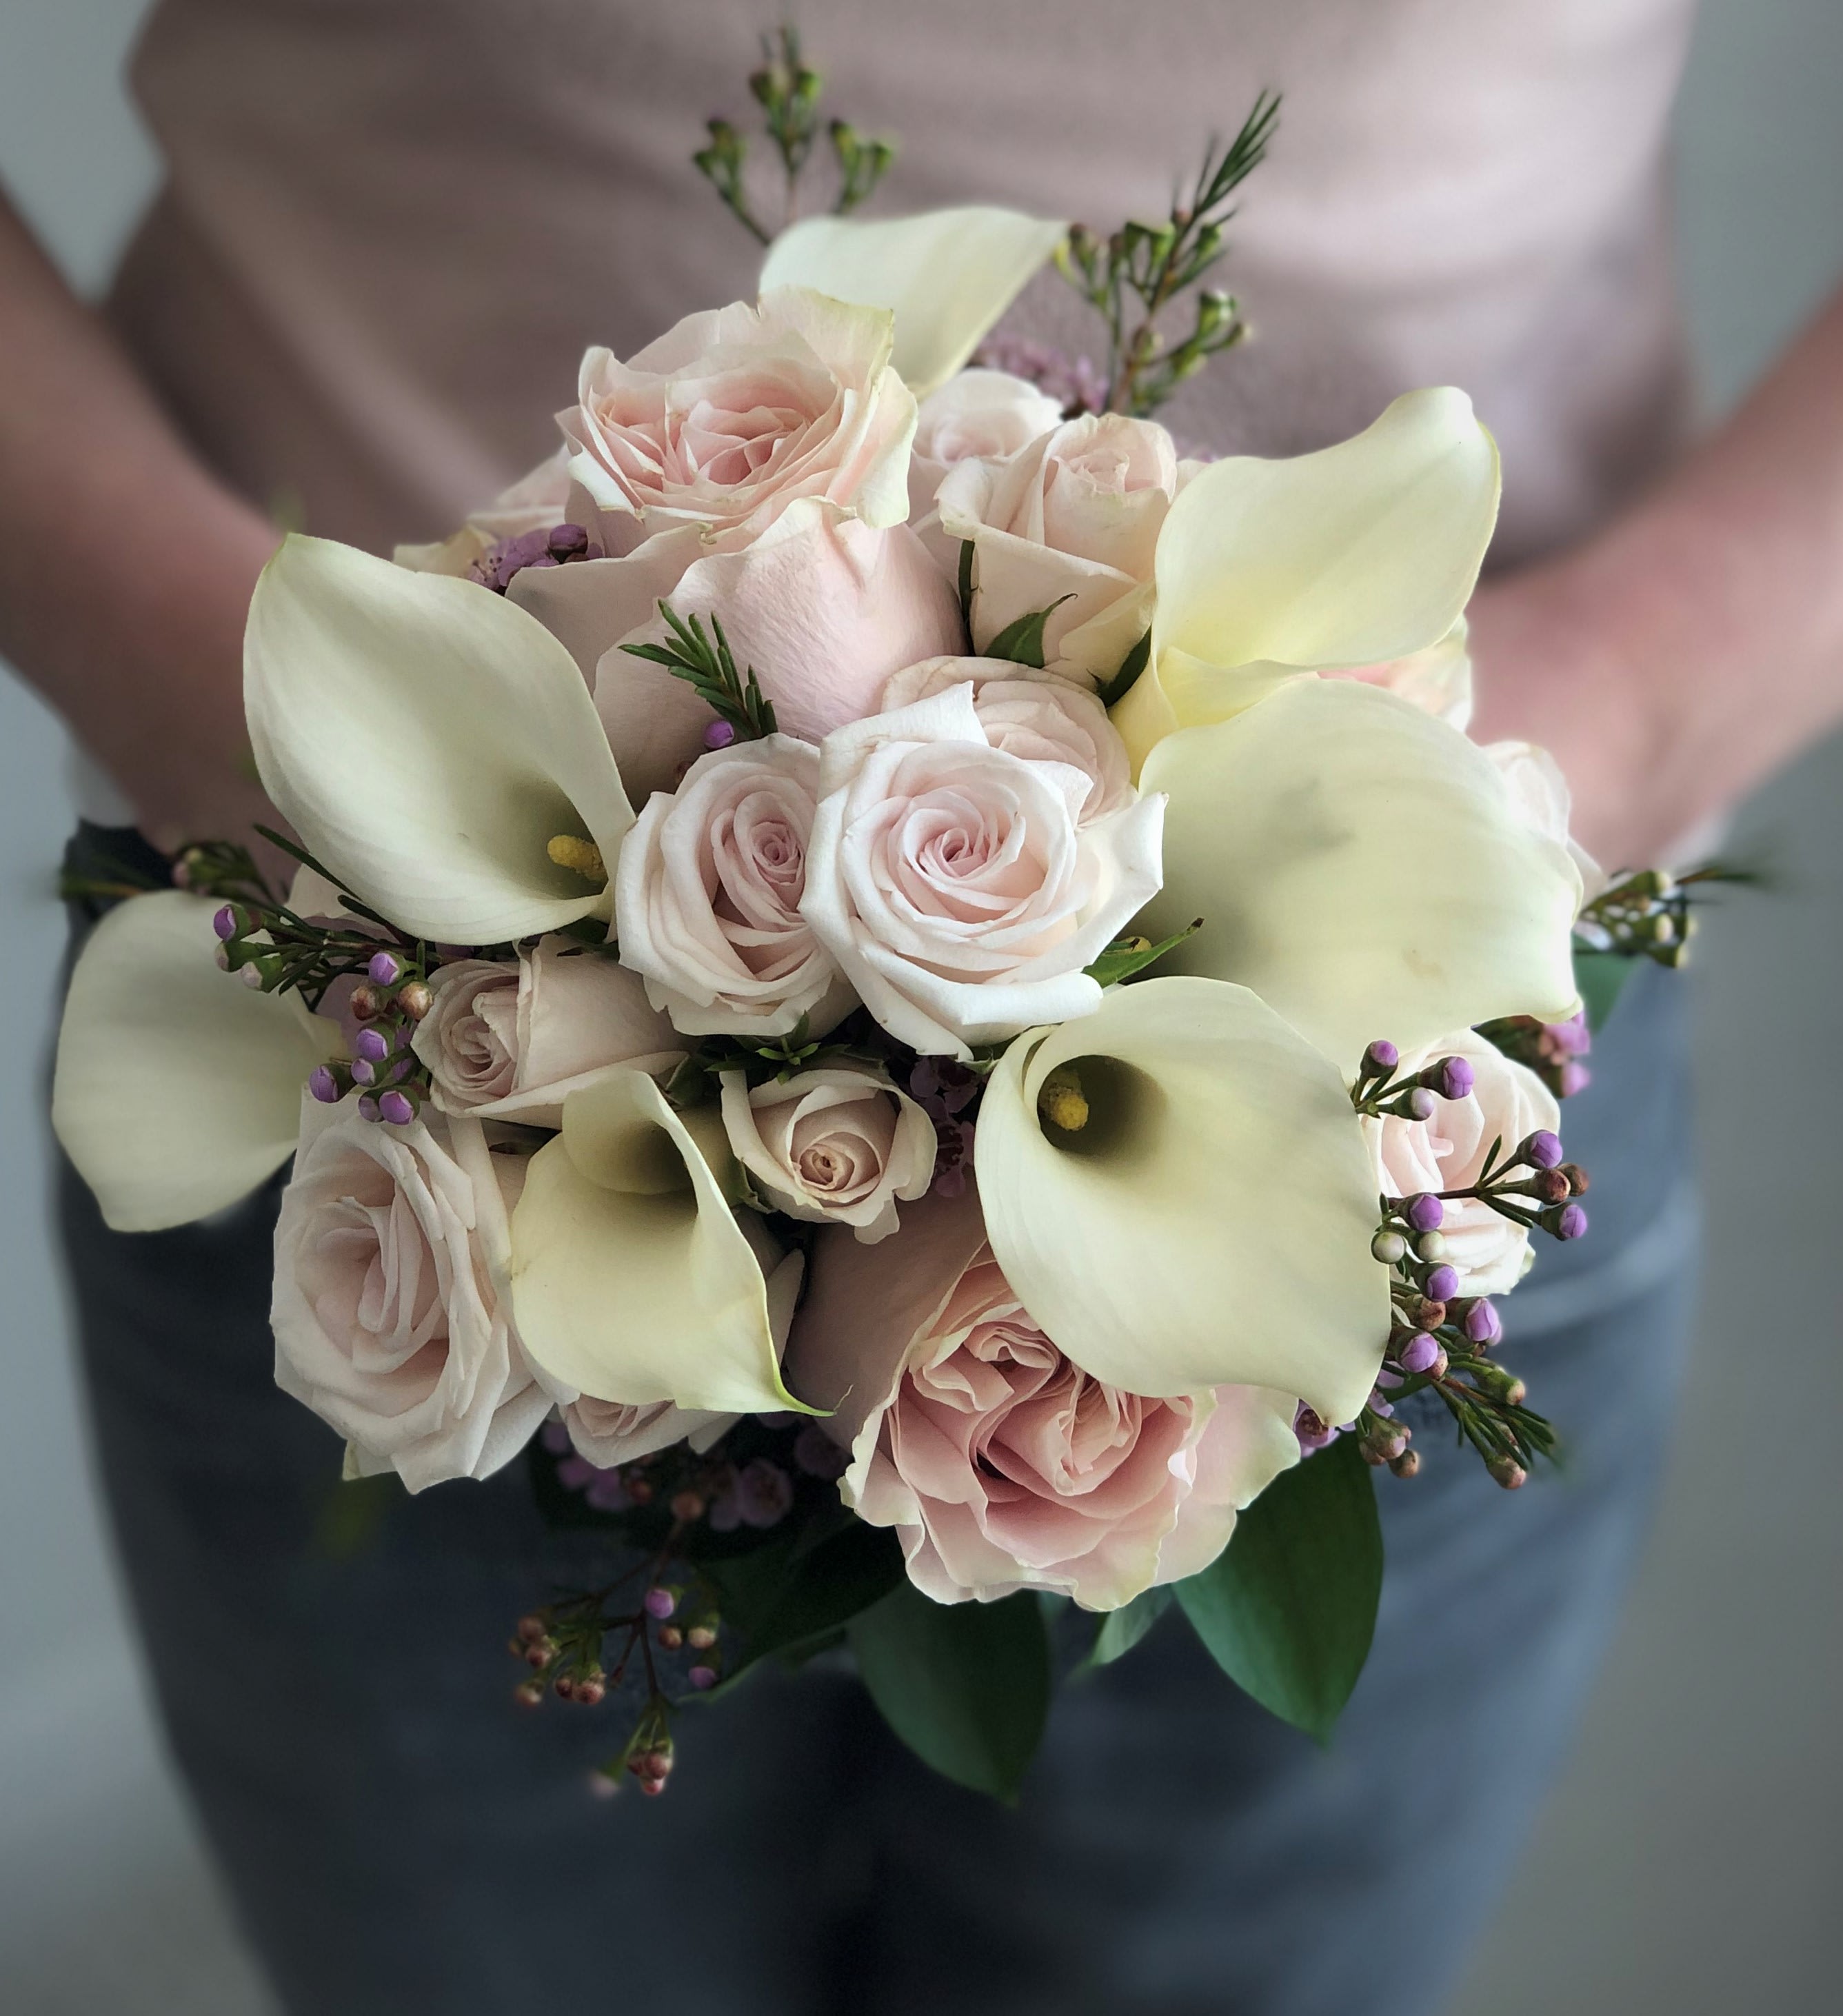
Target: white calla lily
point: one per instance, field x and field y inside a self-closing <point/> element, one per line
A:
<point x="177" y="1090"/>
<point x="427" y="740"/>
<point x="1208" y="1220"/>
<point x="632" y="1280"/>
<point x="946" y="275"/>
<point x="1362" y="867"/>
<point x="1355" y="556"/>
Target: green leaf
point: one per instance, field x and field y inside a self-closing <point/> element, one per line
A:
<point x="1289" y="1608"/>
<point x="1126" y="1626"/>
<point x="1130" y="666"/>
<point x="1022" y="642"/>
<point x="1601" y="976"/>
<point x="1126" y="956"/>
<point x="966" y="585"/>
<point x="964" y="1685"/>
<point x="782" y="1599"/>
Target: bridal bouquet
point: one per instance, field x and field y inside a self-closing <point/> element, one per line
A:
<point x="923" y="998"/>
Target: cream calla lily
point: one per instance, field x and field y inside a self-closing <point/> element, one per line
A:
<point x="947" y="275"/>
<point x="427" y="740"/>
<point x="1210" y="1223"/>
<point x="177" y="1090"/>
<point x="632" y="1280"/>
<point x="1362" y="867"/>
<point x="1357" y="555"/>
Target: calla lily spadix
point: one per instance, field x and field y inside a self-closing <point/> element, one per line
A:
<point x="632" y="1280"/>
<point x="427" y="741"/>
<point x="1362" y="867"/>
<point x="178" y="1090"/>
<point x="1357" y="555"/>
<point x="1208" y="1222"/>
<point x="947" y="275"/>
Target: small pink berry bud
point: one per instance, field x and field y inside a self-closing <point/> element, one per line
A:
<point x="702" y="1678"/>
<point x="385" y="968"/>
<point x="659" y="1603"/>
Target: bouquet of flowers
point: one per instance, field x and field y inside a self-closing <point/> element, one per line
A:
<point x="923" y="999"/>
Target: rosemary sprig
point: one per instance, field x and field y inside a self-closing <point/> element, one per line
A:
<point x="705" y="664"/>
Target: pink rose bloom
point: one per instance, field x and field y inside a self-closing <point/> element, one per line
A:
<point x="1539" y="791"/>
<point x="391" y="1315"/>
<point x="509" y="1039"/>
<point x="607" y="1434"/>
<point x="1438" y="680"/>
<point x="707" y="895"/>
<point x="1001" y="1465"/>
<point x="1507" y="1102"/>
<point x="1038" y="715"/>
<point x="987" y="414"/>
<point x="953" y="883"/>
<point x="1073" y="519"/>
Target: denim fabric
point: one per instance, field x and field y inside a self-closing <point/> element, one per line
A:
<point x="399" y="1837"/>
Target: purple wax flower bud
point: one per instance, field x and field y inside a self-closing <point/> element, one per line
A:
<point x="395" y="1107"/>
<point x="1425" y="1212"/>
<point x="373" y="1045"/>
<point x="249" y="973"/>
<point x="1420" y="1103"/>
<point x="1453" y="1078"/>
<point x="1571" y="1223"/>
<point x="1572" y="1038"/>
<point x="1541" y="1150"/>
<point x="568" y="539"/>
<point x="703" y="1677"/>
<point x="1379" y="1406"/>
<point x="659" y="1604"/>
<point x="720" y="734"/>
<point x="384" y="969"/>
<point x="1382" y="1055"/>
<point x="223" y="959"/>
<point x="367" y="1106"/>
<point x="364" y="1071"/>
<point x="1483" y="1323"/>
<point x="1442" y="1284"/>
<point x="224" y="924"/>
<point x="1574" y="1078"/>
<point x="323" y="1085"/>
<point x="1420" y="1351"/>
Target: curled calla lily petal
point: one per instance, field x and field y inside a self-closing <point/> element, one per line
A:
<point x="427" y="740"/>
<point x="1208" y="1222"/>
<point x="946" y="275"/>
<point x="1357" y="555"/>
<point x="177" y="1090"/>
<point x="1362" y="867"/>
<point x="632" y="1280"/>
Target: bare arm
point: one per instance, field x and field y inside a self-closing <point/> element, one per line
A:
<point x="1675" y="660"/>
<point x="125" y="567"/>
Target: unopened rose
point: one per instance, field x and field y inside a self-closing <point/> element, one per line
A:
<point x="1037" y="715"/>
<point x="1072" y="520"/>
<point x="707" y="895"/>
<point x="1508" y="1102"/>
<point x="837" y="1145"/>
<point x="1000" y="1465"/>
<point x="989" y="414"/>
<point x="952" y="881"/>
<point x="507" y="1033"/>
<point x="390" y="1315"/>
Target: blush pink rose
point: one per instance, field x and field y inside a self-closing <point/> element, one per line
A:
<point x="999" y="1464"/>
<point x="990" y="415"/>
<point x="391" y="1315"/>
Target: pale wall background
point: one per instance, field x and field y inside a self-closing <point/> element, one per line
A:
<point x="1689" y="1860"/>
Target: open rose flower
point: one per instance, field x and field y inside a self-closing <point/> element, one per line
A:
<point x="1540" y="793"/>
<point x="390" y="1314"/>
<point x="1508" y="1103"/>
<point x="952" y="883"/>
<point x="835" y="1145"/>
<point x="511" y="1034"/>
<point x="1000" y="1465"/>
<point x="987" y="414"/>
<point x="1036" y="714"/>
<point x="1073" y="520"/>
<point x="707" y="896"/>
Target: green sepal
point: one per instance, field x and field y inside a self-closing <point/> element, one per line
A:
<point x="1022" y="642"/>
<point x="1124" y="1628"/>
<point x="1288" y="1609"/>
<point x="1126" y="956"/>
<point x="1601" y="977"/>
<point x="1114" y="690"/>
<point x="964" y="1685"/>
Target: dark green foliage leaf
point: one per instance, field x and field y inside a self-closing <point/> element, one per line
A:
<point x="1022" y="642"/>
<point x="1130" y="666"/>
<point x="964" y="1685"/>
<point x="964" y="584"/>
<point x="784" y="1598"/>
<point x="1289" y="1608"/>
<point x="1601" y="976"/>
<point x="1124" y="1628"/>
<point x="1126" y="956"/>
<point x="352" y="1515"/>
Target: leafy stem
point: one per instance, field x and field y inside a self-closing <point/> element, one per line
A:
<point x="706" y="664"/>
